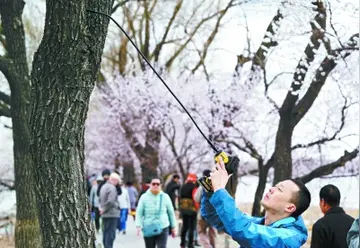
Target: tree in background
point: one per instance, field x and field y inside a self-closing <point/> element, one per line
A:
<point x="323" y="55"/>
<point x="134" y="101"/>
<point x="63" y="75"/>
<point x="13" y="64"/>
<point x="173" y="35"/>
<point x="166" y="33"/>
<point x="242" y="114"/>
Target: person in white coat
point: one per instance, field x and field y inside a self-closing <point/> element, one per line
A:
<point x="124" y="202"/>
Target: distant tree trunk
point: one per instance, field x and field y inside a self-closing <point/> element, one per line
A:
<point x="263" y="172"/>
<point x="282" y="154"/>
<point x="63" y="76"/>
<point x="232" y="184"/>
<point x="27" y="229"/>
<point x="149" y="167"/>
<point x="147" y="154"/>
<point x="129" y="171"/>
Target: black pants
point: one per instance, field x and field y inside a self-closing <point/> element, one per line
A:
<point x="109" y="233"/>
<point x="158" y="241"/>
<point x="189" y="224"/>
<point x="97" y="218"/>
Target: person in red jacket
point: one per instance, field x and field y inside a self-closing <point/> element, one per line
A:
<point x="188" y="210"/>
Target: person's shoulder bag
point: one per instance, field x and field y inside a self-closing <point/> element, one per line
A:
<point x="154" y="228"/>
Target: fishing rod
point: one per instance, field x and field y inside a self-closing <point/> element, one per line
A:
<point x="231" y="162"/>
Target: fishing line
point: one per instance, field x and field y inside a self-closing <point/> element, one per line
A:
<point x="157" y="74"/>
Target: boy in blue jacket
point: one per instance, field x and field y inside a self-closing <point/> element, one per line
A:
<point x="282" y="225"/>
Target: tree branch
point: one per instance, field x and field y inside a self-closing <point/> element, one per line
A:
<point x="159" y="46"/>
<point x="145" y="48"/>
<point x="267" y="85"/>
<point x="321" y="74"/>
<point x="268" y="42"/>
<point x="5" y="110"/>
<point x="119" y="4"/>
<point x="134" y="142"/>
<point x="171" y="141"/>
<point x="248" y="148"/>
<point x="191" y="36"/>
<point x="5" y="98"/>
<point x="327" y="139"/>
<point x="8" y="185"/>
<point x="211" y="37"/>
<point x="329" y="168"/>
<point x="318" y="27"/>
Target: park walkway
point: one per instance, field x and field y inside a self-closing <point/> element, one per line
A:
<point x="131" y="240"/>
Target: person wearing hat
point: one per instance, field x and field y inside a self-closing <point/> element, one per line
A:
<point x="188" y="210"/>
<point x="105" y="174"/>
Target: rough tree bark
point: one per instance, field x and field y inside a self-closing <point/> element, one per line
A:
<point x="63" y="75"/>
<point x="14" y="66"/>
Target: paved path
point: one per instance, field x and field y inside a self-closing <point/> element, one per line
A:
<point x="130" y="240"/>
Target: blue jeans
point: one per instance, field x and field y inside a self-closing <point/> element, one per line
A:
<point x="109" y="233"/>
<point x="123" y="218"/>
<point x="158" y="241"/>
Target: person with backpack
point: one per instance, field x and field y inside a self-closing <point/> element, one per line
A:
<point x="188" y="210"/>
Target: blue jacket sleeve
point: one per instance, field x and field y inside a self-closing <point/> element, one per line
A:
<point x="353" y="235"/>
<point x="220" y="211"/>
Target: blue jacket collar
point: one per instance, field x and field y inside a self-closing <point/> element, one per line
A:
<point x="286" y="221"/>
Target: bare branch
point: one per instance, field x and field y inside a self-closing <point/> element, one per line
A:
<point x="145" y="48"/>
<point x="334" y="136"/>
<point x="332" y="25"/>
<point x="321" y="74"/>
<point x="203" y="64"/>
<point x="130" y="21"/>
<point x="318" y="27"/>
<point x="134" y="142"/>
<point x="123" y="55"/>
<point x="9" y="185"/>
<point x="211" y="38"/>
<point x="191" y="36"/>
<point x="342" y="175"/>
<point x="329" y="168"/>
<point x="5" y="98"/>
<point x="248" y="148"/>
<point x="268" y="42"/>
<point x="119" y="4"/>
<point x="171" y="140"/>
<point x="267" y="85"/>
<point x="159" y="46"/>
<point x="5" y="110"/>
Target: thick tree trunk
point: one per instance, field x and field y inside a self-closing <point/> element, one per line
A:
<point x="263" y="173"/>
<point x="63" y="76"/>
<point x="282" y="154"/>
<point x="27" y="229"/>
<point x="129" y="172"/>
<point x="149" y="167"/>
